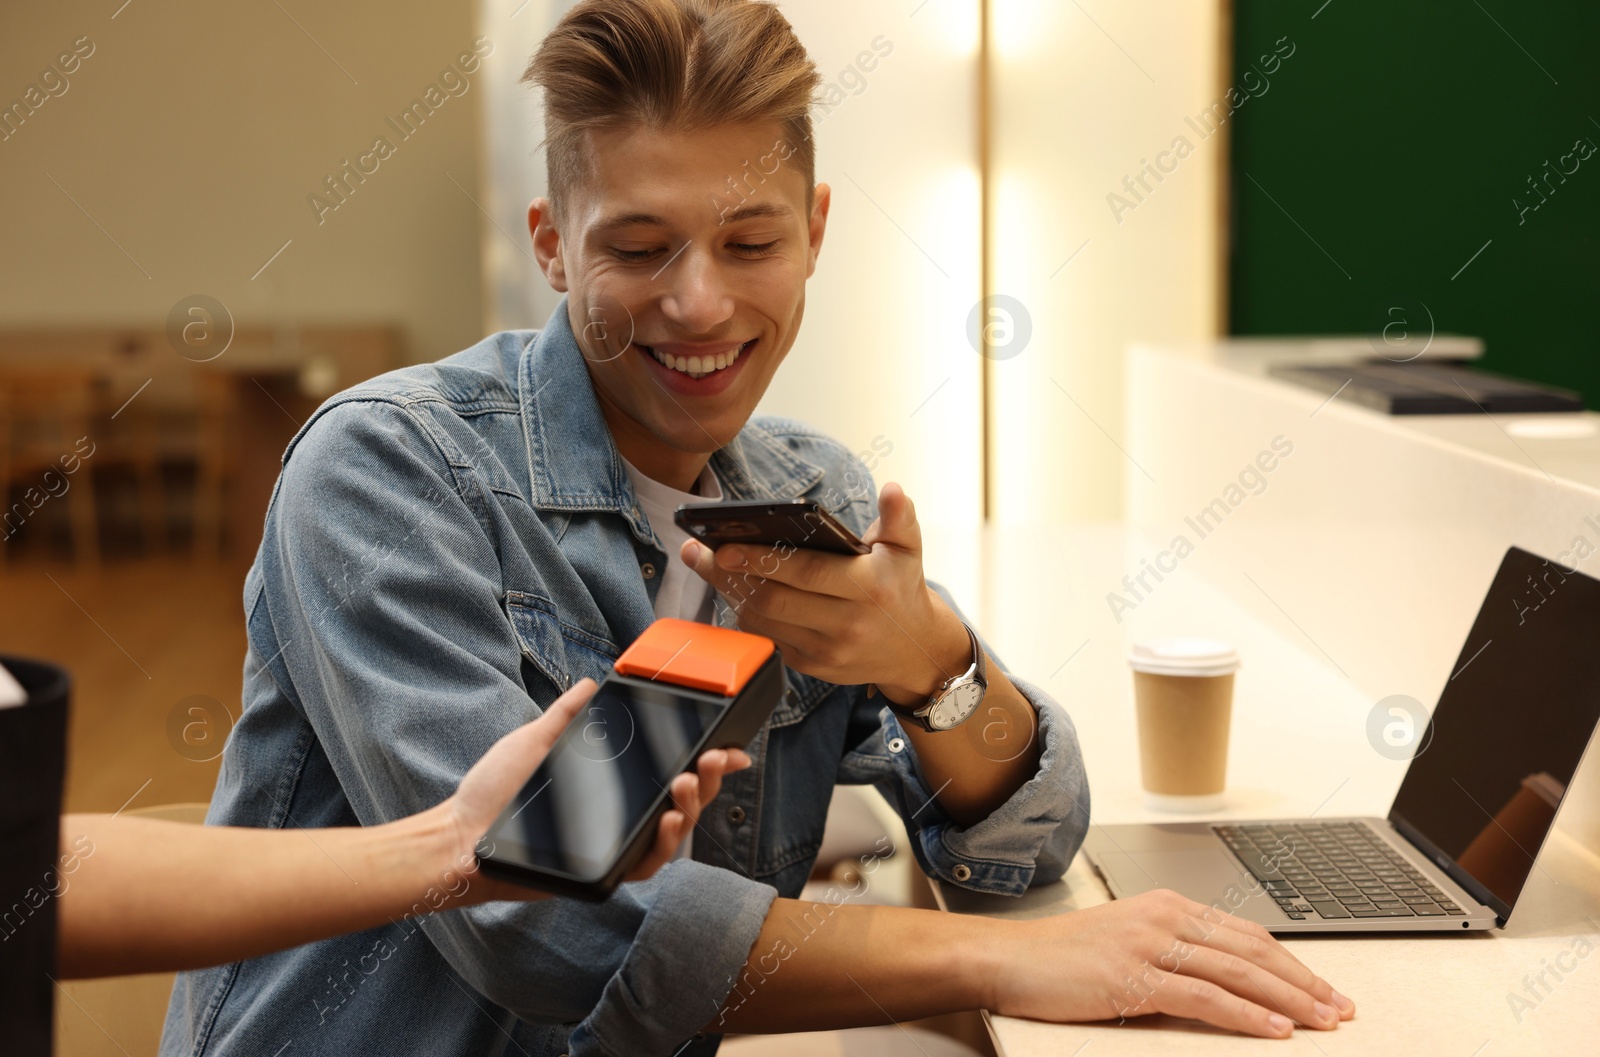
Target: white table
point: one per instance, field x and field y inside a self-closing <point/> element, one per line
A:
<point x="1298" y="746"/>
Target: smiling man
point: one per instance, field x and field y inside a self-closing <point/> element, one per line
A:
<point x="452" y="545"/>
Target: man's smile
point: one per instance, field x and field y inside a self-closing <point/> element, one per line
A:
<point x="698" y="370"/>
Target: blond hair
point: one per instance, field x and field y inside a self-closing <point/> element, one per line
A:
<point x="673" y="65"/>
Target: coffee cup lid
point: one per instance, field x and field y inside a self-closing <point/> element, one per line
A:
<point x="1193" y="657"/>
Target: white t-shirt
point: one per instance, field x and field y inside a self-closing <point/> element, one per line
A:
<point x="682" y="593"/>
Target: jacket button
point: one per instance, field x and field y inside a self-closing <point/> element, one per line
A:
<point x="648" y="570"/>
<point x="736" y="814"/>
<point x="962" y="872"/>
<point x="896" y="744"/>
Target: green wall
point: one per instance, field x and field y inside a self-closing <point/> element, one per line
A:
<point x="1400" y="136"/>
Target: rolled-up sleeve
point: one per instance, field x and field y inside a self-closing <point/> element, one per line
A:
<point x="385" y="599"/>
<point x="1030" y="839"/>
<point x="664" y="954"/>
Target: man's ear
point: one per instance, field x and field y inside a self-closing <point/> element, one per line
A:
<point x="547" y="248"/>
<point x="817" y="224"/>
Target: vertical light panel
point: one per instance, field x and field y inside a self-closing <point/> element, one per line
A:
<point x="1088" y="97"/>
<point x="883" y="361"/>
<point x="516" y="294"/>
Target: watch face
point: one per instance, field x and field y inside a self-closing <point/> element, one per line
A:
<point x="955" y="706"/>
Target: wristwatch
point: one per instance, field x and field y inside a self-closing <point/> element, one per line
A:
<point x="957" y="698"/>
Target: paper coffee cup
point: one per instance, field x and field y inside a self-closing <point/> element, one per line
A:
<point x="1183" y="689"/>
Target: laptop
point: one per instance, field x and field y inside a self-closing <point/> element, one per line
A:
<point x="1479" y="796"/>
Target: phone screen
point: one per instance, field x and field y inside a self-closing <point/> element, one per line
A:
<point x="603" y="777"/>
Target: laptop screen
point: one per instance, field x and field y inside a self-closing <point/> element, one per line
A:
<point x="1513" y="721"/>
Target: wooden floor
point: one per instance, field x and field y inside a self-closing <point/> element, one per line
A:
<point x="144" y="639"/>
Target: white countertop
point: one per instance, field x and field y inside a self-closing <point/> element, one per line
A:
<point x="1561" y="446"/>
<point x="1298" y="745"/>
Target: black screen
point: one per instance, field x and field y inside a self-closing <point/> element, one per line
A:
<point x="603" y="777"/>
<point x="1513" y="721"/>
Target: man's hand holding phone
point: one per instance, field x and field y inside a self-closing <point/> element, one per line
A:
<point x="491" y="783"/>
<point x="872" y="618"/>
<point x="847" y="619"/>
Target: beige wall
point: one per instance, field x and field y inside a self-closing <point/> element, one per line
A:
<point x="193" y="135"/>
<point x="517" y="295"/>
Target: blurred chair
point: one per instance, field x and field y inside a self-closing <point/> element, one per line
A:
<point x="216" y="458"/>
<point x="119" y="1016"/>
<point x="186" y="419"/>
<point x="863" y="851"/>
<point x="46" y="411"/>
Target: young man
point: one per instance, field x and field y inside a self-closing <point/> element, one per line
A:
<point x="451" y="545"/>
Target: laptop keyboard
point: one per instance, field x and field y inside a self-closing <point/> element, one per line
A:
<point x="1334" y="870"/>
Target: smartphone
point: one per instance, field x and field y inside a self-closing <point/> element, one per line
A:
<point x="795" y="522"/>
<point x="591" y="810"/>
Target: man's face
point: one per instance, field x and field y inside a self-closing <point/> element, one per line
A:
<point x="685" y="260"/>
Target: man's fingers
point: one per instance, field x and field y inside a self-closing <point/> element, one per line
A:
<point x="1200" y="999"/>
<point x="897" y="524"/>
<point x="1248" y="981"/>
<point x="802" y="647"/>
<point x="677" y="822"/>
<point x="811" y="570"/>
<point x="735" y="589"/>
<point x="687" y="800"/>
<point x="798" y="606"/>
<point x="702" y="559"/>
<point x="690" y="792"/>
<point x="669" y="834"/>
<point x="1253" y="943"/>
<point x="743" y="570"/>
<point x="710" y="768"/>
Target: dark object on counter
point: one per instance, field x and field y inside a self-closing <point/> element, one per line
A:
<point x="1428" y="388"/>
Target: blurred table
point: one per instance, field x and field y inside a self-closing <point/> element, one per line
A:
<point x="228" y="413"/>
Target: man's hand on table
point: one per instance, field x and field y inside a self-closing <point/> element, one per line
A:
<point x="1154" y="953"/>
<point x="1159" y="953"/>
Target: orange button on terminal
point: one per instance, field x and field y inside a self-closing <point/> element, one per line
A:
<point x="698" y="656"/>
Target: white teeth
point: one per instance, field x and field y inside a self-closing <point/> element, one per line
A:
<point x="698" y="366"/>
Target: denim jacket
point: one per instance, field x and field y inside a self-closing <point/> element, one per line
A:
<point x="447" y="548"/>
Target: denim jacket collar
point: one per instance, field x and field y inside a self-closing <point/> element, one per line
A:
<point x="574" y="464"/>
